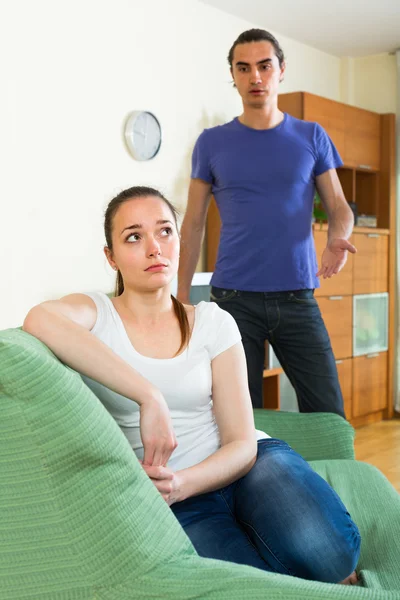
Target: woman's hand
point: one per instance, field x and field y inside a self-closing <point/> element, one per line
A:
<point x="158" y="437"/>
<point x="166" y="481"/>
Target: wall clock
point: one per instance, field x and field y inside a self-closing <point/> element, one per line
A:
<point x="142" y="135"/>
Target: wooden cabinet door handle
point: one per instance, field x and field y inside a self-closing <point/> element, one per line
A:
<point x="335" y="297"/>
<point x="339" y="362"/>
<point x="373" y="235"/>
<point x="373" y="355"/>
<point x="364" y="167"/>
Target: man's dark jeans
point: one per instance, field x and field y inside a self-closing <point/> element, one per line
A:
<point x="292" y="324"/>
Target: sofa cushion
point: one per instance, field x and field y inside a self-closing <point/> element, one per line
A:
<point x="374" y="505"/>
<point x="73" y="496"/>
<point x="316" y="436"/>
<point x="80" y="520"/>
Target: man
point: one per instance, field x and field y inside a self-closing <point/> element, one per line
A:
<point x="263" y="168"/>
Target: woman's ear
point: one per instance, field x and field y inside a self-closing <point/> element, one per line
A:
<point x="110" y="259"/>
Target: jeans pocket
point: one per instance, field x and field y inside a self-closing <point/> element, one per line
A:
<point x="303" y="297"/>
<point x="220" y="295"/>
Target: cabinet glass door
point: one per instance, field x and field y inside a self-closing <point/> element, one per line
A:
<point x="370" y="323"/>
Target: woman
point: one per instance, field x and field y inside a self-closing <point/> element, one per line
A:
<point x="174" y="378"/>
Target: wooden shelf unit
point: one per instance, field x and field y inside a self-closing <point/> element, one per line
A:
<point x="366" y="143"/>
<point x="356" y="132"/>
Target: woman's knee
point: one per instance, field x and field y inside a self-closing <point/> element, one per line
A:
<point x="276" y="463"/>
<point x="307" y="523"/>
<point x="332" y="559"/>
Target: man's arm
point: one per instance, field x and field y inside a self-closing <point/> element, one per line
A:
<point x="340" y="224"/>
<point x="192" y="232"/>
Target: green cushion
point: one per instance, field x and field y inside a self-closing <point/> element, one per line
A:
<point x="314" y="435"/>
<point x="73" y="496"/>
<point x="79" y="519"/>
<point x="375" y="506"/>
<point x="202" y="579"/>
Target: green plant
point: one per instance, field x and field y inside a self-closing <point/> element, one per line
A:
<point x="319" y="213"/>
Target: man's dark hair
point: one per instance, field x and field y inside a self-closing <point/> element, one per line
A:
<point x="257" y="35"/>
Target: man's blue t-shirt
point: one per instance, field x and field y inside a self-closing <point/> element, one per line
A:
<point x="264" y="184"/>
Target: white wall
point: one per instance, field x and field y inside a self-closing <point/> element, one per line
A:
<point x="376" y="83"/>
<point x="370" y="82"/>
<point x="74" y="70"/>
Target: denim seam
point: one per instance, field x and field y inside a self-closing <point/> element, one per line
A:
<point x="305" y="301"/>
<point x="227" y="505"/>
<point x="284" y="366"/>
<point x="289" y="373"/>
<point x="232" y="294"/>
<point x="238" y="522"/>
<point x="289" y="572"/>
<point x="271" y="331"/>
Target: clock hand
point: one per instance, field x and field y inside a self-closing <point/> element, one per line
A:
<point x="145" y="131"/>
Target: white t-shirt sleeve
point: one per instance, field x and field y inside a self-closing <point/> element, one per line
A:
<point x="225" y="332"/>
<point x="104" y="317"/>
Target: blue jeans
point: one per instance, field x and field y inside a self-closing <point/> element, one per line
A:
<point x="280" y="517"/>
<point x="292" y="324"/>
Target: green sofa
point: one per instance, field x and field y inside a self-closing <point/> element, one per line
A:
<point x="80" y="520"/>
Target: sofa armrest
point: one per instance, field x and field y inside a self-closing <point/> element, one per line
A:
<point x="316" y="436"/>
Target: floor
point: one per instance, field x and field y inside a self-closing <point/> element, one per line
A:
<point x="379" y="445"/>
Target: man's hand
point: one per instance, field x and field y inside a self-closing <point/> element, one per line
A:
<point x="166" y="481"/>
<point x="334" y="257"/>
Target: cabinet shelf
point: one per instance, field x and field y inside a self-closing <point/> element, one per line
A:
<point x="272" y="372"/>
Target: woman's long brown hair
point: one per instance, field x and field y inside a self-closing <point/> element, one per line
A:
<point x="111" y="211"/>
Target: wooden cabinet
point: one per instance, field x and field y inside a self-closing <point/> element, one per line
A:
<point x="336" y="285"/>
<point x="369" y="384"/>
<point x="362" y="138"/>
<point x="371" y="263"/>
<point x="330" y="115"/>
<point x="354" y="131"/>
<point x="366" y="195"/>
<point x="213" y="235"/>
<point x="337" y="313"/>
<point x="345" y="373"/>
<point x="347" y="178"/>
<point x="271" y="392"/>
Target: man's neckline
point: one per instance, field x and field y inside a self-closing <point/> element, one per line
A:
<point x="280" y="124"/>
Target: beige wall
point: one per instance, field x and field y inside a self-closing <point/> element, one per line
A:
<point x="74" y="71"/>
<point x="370" y="82"/>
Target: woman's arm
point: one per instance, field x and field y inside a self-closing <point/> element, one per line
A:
<point x="64" y="326"/>
<point x="234" y="417"/>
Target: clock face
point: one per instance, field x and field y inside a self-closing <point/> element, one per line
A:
<point x="143" y="135"/>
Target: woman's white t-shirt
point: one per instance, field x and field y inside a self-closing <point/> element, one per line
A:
<point x="185" y="380"/>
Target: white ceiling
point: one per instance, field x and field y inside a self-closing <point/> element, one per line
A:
<point x="338" y="27"/>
